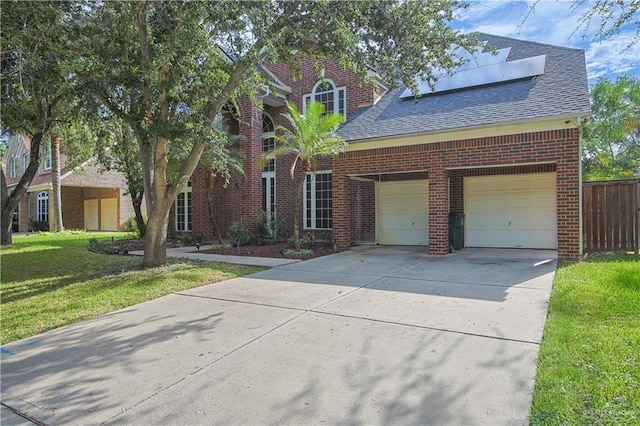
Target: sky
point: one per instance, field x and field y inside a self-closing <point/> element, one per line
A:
<point x="554" y="22"/>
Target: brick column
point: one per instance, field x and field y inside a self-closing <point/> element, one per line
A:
<point x="342" y="221"/>
<point x="438" y="212"/>
<point x="568" y="209"/>
<point x="250" y="188"/>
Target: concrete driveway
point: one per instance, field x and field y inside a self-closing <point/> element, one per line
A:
<point x="375" y="335"/>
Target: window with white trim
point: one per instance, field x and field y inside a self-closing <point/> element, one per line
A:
<point x="333" y="98"/>
<point x="318" y="201"/>
<point x="43" y="206"/>
<point x="25" y="162"/>
<point x="13" y="167"/>
<point x="183" y="210"/>
<point x="46" y="154"/>
<point x="269" y="170"/>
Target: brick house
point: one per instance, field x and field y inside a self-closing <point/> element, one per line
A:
<point x="497" y="142"/>
<point x="92" y="199"/>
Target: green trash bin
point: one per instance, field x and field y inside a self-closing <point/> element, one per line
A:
<point x="456" y="231"/>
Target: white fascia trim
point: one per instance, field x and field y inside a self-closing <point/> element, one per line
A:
<point x="502" y="129"/>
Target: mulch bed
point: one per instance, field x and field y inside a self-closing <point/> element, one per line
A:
<point x="272" y="250"/>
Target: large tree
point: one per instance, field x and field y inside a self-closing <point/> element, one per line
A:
<point x="308" y="137"/>
<point x="167" y="68"/>
<point x="612" y="136"/>
<point x="33" y="82"/>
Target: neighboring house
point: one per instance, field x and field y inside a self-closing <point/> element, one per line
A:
<point x="92" y="199"/>
<point x="499" y="141"/>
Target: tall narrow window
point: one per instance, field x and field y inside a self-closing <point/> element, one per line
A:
<point x="269" y="171"/>
<point x="25" y="162"/>
<point x="183" y="210"/>
<point x="318" y="201"/>
<point x="43" y="207"/>
<point x="333" y="98"/>
<point x="13" y="167"/>
<point x="46" y="154"/>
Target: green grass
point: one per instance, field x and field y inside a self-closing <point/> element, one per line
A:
<point x="48" y="281"/>
<point x="589" y="366"/>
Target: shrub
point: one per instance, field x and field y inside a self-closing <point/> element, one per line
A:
<point x="188" y="239"/>
<point x="38" y="225"/>
<point x="268" y="228"/>
<point x="297" y="253"/>
<point x="240" y="233"/>
<point x="132" y="225"/>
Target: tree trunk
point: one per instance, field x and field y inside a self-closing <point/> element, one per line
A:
<point x="6" y="235"/>
<point x="55" y="181"/>
<point x="155" y="239"/>
<point x="297" y="215"/>
<point x="137" y="209"/>
<point x="136" y="202"/>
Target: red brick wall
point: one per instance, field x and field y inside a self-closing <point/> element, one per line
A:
<point x="559" y="147"/>
<point x="242" y="198"/>
<point x="363" y="206"/>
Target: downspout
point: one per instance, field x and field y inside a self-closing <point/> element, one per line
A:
<point x="580" y="208"/>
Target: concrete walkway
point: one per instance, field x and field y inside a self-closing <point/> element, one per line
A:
<point x="375" y="335"/>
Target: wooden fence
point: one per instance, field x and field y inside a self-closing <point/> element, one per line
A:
<point x="610" y="213"/>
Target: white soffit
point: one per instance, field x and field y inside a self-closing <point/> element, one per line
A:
<point x="481" y="69"/>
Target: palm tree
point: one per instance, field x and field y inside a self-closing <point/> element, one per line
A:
<point x="311" y="135"/>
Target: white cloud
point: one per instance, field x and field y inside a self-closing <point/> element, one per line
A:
<point x="613" y="57"/>
<point x="558" y="23"/>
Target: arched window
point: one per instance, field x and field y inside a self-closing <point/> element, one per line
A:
<point x="333" y="98"/>
<point x="268" y="140"/>
<point x="269" y="171"/>
<point x="43" y="206"/>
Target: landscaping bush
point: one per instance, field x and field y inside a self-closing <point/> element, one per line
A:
<point x="240" y="232"/>
<point x="268" y="228"/>
<point x="132" y="225"/>
<point x="38" y="225"/>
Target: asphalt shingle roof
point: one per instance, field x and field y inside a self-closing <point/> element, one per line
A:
<point x="562" y="91"/>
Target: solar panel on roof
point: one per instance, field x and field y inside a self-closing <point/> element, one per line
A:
<point x="484" y="68"/>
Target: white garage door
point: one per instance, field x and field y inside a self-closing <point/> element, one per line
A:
<point x="403" y="212"/>
<point x="511" y="211"/>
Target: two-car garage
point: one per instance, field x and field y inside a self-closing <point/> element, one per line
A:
<point x="501" y="211"/>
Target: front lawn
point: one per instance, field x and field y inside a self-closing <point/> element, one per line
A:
<point x="589" y="366"/>
<point x="48" y="281"/>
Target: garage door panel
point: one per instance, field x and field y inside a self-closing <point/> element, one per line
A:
<point x="403" y="219"/>
<point x="402" y="212"/>
<point x="511" y="211"/>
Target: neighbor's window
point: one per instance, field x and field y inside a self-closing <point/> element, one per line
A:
<point x="13" y="167"/>
<point x="318" y="201"/>
<point x="333" y="98"/>
<point x="43" y="206"/>
<point x="25" y="161"/>
<point x="183" y="210"/>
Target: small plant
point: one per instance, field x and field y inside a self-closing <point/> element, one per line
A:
<point x="308" y="239"/>
<point x="221" y="246"/>
<point x="268" y="226"/>
<point x="132" y="224"/>
<point x="298" y="253"/>
<point x="240" y="233"/>
<point x="38" y="225"/>
<point x="188" y="239"/>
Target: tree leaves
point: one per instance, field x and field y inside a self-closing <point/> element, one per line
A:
<point x="612" y="136"/>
